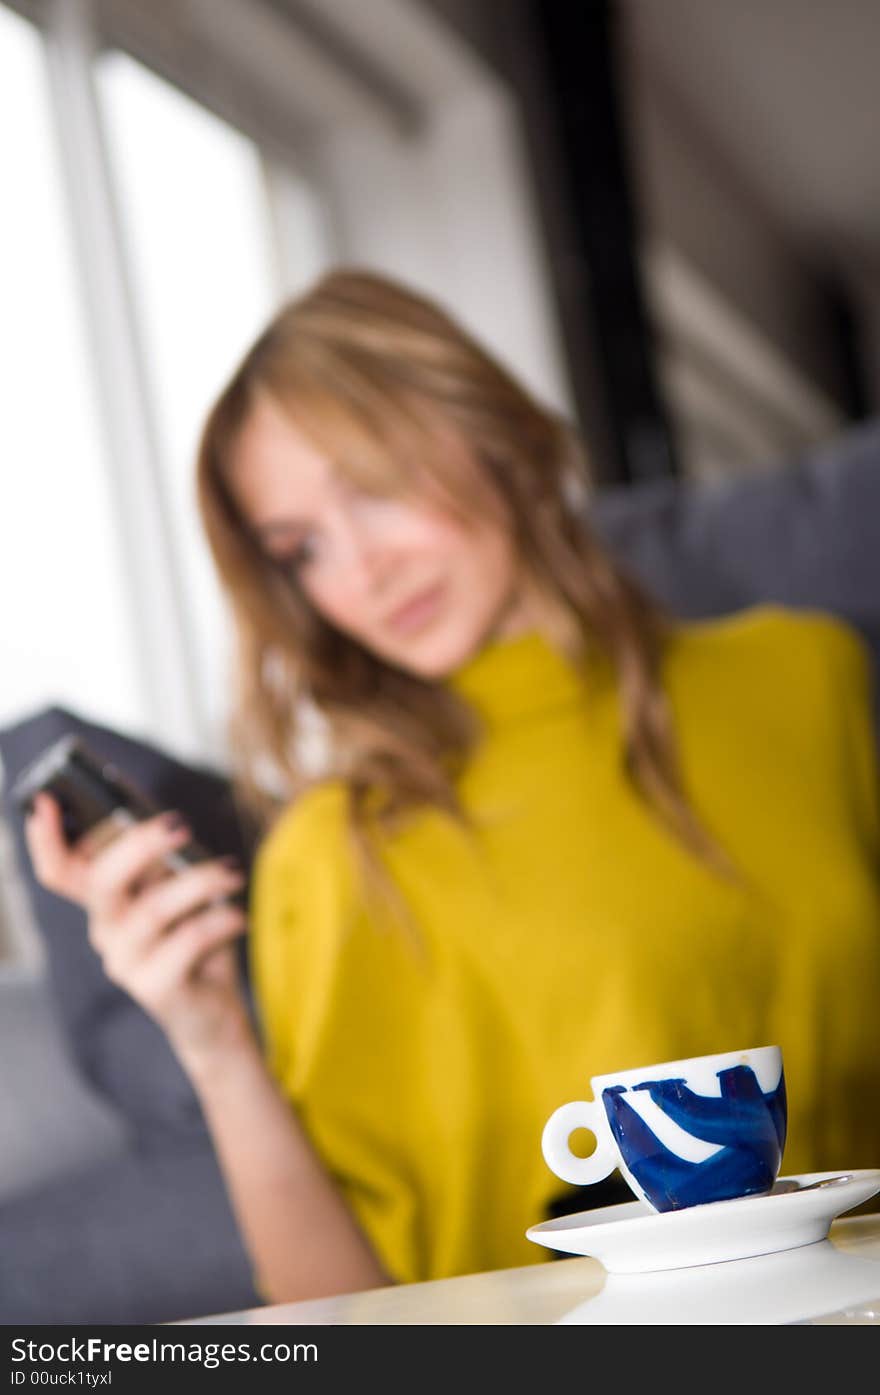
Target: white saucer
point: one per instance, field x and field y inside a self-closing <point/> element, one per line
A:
<point x="633" y="1239"/>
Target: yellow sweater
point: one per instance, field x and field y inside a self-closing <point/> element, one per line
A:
<point x="573" y="934"/>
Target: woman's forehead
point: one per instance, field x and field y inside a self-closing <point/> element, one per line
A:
<point x="274" y="466"/>
<point x="299" y="457"/>
<point x="323" y="444"/>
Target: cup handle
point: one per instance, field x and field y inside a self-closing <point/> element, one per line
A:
<point x="578" y="1114"/>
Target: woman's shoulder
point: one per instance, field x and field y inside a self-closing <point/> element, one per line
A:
<point x="311" y="827"/>
<point x="772" y="640"/>
<point x="304" y="876"/>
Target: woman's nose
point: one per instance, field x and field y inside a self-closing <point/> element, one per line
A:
<point x="369" y="548"/>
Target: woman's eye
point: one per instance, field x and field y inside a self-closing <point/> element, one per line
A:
<point x="296" y="560"/>
<point x="302" y="556"/>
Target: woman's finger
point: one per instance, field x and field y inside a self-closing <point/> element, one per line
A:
<point x="117" y="869"/>
<point x="58" y="866"/>
<point x="130" y="952"/>
<point x="170" y="900"/>
<point x="178" y="954"/>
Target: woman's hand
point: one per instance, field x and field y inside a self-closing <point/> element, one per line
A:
<point x="166" y="941"/>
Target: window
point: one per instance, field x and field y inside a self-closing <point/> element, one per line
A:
<point x="66" y="619"/>
<point x="196" y="228"/>
<point x="211" y="236"/>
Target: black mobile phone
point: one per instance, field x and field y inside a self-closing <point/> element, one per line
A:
<point x="97" y="802"/>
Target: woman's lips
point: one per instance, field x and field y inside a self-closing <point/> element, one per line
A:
<point x="416" y="612"/>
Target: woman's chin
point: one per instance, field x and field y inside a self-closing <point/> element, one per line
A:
<point x="434" y="657"/>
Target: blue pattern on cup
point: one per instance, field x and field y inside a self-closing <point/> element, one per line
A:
<point x="748" y="1124"/>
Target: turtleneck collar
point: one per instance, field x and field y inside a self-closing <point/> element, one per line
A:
<point x="520" y="677"/>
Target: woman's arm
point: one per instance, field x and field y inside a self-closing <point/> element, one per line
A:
<point x="301" y="1236"/>
<point x="168" y="945"/>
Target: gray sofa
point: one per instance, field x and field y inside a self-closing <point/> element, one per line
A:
<point x="112" y="1208"/>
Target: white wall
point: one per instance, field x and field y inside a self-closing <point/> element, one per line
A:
<point x="451" y="212"/>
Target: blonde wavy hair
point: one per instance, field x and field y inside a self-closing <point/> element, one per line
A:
<point x="379" y="377"/>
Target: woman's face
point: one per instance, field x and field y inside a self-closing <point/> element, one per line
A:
<point x="406" y="579"/>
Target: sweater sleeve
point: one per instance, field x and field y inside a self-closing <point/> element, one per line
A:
<point x="272" y="944"/>
<point x="297" y="885"/>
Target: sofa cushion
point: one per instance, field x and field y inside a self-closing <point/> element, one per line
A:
<point x="120" y="1051"/>
<point x="147" y="1237"/>
<point x="53" y="1122"/>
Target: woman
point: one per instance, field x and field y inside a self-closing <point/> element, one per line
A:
<point x="545" y="832"/>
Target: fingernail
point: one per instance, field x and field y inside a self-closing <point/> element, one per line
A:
<point x="173" y="822"/>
